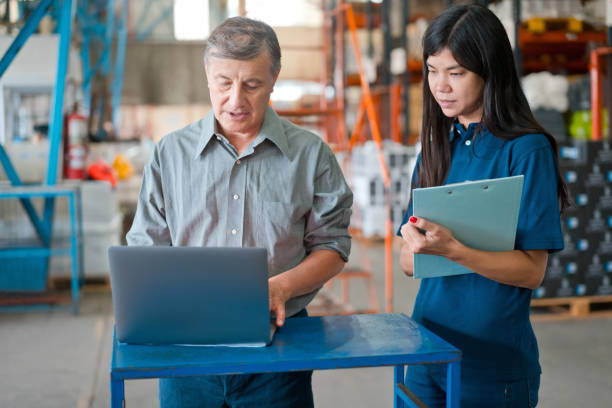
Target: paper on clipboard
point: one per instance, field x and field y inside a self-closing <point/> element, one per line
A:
<point x="481" y="214"/>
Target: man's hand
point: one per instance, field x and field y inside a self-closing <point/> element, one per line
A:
<point x="309" y="275"/>
<point x="279" y="295"/>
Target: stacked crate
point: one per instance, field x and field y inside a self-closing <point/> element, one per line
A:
<point x="584" y="267"/>
<point x="370" y="211"/>
<point x="101" y="228"/>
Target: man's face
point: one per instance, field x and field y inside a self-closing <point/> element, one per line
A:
<point x="240" y="93"/>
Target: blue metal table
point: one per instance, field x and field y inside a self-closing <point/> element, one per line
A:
<point x="313" y="343"/>
<point x="25" y="193"/>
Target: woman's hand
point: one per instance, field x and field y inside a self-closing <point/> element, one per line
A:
<point x="426" y="237"/>
<point x="420" y="236"/>
<point x="516" y="267"/>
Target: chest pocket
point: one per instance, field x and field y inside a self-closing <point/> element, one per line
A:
<point x="280" y="221"/>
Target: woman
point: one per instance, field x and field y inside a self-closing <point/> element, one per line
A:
<point x="472" y="89"/>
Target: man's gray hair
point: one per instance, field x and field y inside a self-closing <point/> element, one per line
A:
<point x="242" y="38"/>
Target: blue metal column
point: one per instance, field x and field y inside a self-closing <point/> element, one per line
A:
<point x="86" y="103"/>
<point x="56" y="119"/>
<point x="110" y="27"/>
<point x="117" y="85"/>
<point x="56" y="114"/>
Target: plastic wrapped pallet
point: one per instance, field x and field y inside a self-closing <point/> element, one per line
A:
<point x="373" y="204"/>
<point x="547" y="91"/>
<point x="101" y="226"/>
<point x="584" y="266"/>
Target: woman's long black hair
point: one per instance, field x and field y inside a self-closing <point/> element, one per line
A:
<point x="478" y="42"/>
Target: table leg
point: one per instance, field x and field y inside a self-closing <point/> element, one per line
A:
<point x="398" y="378"/>
<point x="74" y="254"/>
<point x="453" y="381"/>
<point x="117" y="393"/>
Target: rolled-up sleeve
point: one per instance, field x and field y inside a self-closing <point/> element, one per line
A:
<point x="539" y="223"/>
<point x="328" y="221"/>
<point x="149" y="226"/>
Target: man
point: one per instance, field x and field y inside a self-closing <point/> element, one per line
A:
<point x="244" y="177"/>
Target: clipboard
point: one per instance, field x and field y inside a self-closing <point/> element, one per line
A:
<point x="481" y="215"/>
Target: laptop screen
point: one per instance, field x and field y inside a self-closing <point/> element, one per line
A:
<point x="190" y="295"/>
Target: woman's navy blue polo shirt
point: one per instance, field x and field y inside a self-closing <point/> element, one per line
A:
<point x="489" y="321"/>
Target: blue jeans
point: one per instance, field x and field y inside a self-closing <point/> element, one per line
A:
<point x="273" y="390"/>
<point x="428" y="383"/>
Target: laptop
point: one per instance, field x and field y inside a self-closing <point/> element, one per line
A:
<point x="190" y="295"/>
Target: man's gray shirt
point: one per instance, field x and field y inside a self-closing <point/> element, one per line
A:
<point x="285" y="192"/>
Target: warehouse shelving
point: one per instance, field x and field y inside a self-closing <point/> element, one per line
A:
<point x="381" y="105"/>
<point x="596" y="68"/>
<point x="562" y="51"/>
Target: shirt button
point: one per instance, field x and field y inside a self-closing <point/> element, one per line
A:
<point x="468" y="142"/>
<point x="236" y="196"/>
<point x="234" y="232"/>
<point x="238" y="161"/>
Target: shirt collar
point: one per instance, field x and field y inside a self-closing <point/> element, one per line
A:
<point x="208" y="131"/>
<point x="271" y="129"/>
<point x="459" y="130"/>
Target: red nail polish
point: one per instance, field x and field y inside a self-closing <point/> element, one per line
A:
<point x="413" y="220"/>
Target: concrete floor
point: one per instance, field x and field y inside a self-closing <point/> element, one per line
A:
<point x="54" y="359"/>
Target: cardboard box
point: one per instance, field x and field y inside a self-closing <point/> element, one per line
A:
<point x="597" y="223"/>
<point x="595" y="178"/>
<point x="604" y="245"/>
<point x="599" y="285"/>
<point x="596" y="267"/>
<point x="603" y="198"/>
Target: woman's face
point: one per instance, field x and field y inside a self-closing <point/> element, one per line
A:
<point x="457" y="90"/>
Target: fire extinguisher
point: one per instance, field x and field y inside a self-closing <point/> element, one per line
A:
<point x="75" y="146"/>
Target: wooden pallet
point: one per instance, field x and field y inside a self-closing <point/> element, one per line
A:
<point x="26" y="298"/>
<point x="56" y="293"/>
<point x="90" y="284"/>
<point x="579" y="307"/>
